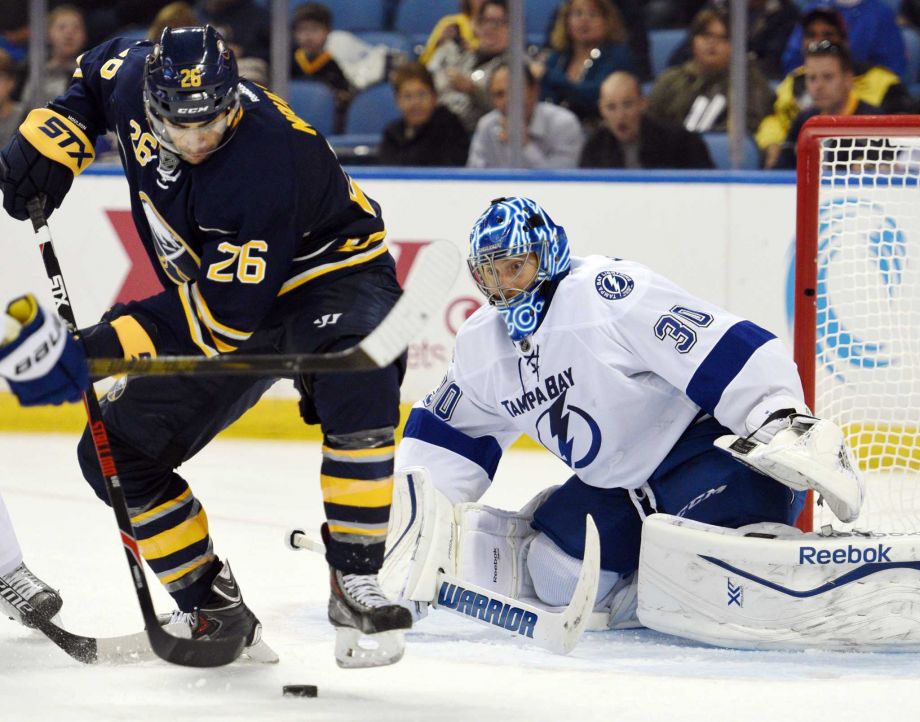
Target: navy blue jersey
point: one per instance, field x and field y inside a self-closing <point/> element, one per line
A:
<point x="268" y="212"/>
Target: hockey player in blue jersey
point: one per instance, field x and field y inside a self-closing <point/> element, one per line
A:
<point x="634" y="384"/>
<point x="256" y="232"/>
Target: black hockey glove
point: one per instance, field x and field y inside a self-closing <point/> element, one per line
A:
<point x="42" y="158"/>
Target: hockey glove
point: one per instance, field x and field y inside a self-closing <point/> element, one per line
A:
<point x="40" y="360"/>
<point x="42" y="158"/>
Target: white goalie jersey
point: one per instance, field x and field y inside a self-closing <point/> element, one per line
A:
<point x="621" y="365"/>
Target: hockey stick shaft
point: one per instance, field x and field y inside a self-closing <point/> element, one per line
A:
<point x="557" y="631"/>
<point x="434" y="271"/>
<point x="172" y="649"/>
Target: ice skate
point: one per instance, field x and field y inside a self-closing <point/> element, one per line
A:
<point x="369" y="626"/>
<point x="223" y="614"/>
<point x="22" y="583"/>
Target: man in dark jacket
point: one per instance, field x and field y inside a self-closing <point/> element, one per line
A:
<point x="627" y="138"/>
<point x="829" y="81"/>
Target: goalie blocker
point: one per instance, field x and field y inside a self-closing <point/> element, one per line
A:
<point x="769" y="586"/>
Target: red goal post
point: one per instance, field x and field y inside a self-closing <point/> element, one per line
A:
<point x="857" y="297"/>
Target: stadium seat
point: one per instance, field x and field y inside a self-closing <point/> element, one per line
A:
<point x="418" y="17"/>
<point x="537" y="16"/>
<point x="661" y="44"/>
<point x="352" y="15"/>
<point x="396" y="41"/>
<point x="314" y="102"/>
<point x="720" y="150"/>
<point x="371" y="110"/>
<point x="912" y="46"/>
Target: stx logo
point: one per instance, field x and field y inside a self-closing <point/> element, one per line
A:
<point x="58" y="292"/>
<point x="850" y="555"/>
<point x="735" y="594"/>
<point x="55" y="128"/>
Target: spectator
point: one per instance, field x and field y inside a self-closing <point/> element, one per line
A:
<point x="457" y="28"/>
<point x="875" y="85"/>
<point x="769" y="24"/>
<point x="462" y="76"/>
<point x="10" y="112"/>
<point x="244" y="24"/>
<point x="14" y="29"/>
<point x="174" y="15"/>
<point x="312" y="61"/>
<point x="552" y="135"/>
<point x="66" y="40"/>
<point x="628" y="138"/>
<point x="829" y="82"/>
<point x="589" y="43"/>
<point x="874" y="36"/>
<point x="695" y="94"/>
<point x="428" y="134"/>
<point x="254" y="69"/>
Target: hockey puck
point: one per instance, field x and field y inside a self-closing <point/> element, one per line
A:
<point x="299" y="690"/>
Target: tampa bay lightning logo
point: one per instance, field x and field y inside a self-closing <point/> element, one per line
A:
<point x="880" y="255"/>
<point x="885" y="254"/>
<point x="570" y="433"/>
<point x="613" y="286"/>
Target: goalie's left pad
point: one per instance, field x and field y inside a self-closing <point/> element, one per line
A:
<point x="769" y="586"/>
<point x="474" y="542"/>
<point x="809" y="454"/>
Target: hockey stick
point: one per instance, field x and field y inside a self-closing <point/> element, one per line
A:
<point x="557" y="631"/>
<point x="89" y="650"/>
<point x="188" y="652"/>
<point x="433" y="273"/>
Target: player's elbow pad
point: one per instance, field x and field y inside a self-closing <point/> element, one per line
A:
<point x="51" y="147"/>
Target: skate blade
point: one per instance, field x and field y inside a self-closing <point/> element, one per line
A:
<point x="259" y="653"/>
<point x="355" y="650"/>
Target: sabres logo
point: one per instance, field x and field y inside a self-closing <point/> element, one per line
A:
<point x="613" y="286"/>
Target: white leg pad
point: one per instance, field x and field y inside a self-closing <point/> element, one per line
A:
<point x="796" y="591"/>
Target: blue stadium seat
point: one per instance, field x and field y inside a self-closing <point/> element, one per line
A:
<point x="314" y="102"/>
<point x="418" y="17"/>
<point x="396" y="41"/>
<point x="537" y="16"/>
<point x="912" y="46"/>
<point x="352" y="15"/>
<point x="661" y="44"/>
<point x="372" y="110"/>
<point x="720" y="151"/>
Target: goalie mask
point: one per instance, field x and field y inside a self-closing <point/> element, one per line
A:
<point x="515" y="248"/>
<point x="191" y="94"/>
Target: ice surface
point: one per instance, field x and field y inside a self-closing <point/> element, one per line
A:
<point x="453" y="670"/>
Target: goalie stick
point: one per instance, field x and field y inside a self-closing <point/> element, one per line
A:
<point x="556" y="631"/>
<point x="188" y="652"/>
<point x="434" y="271"/>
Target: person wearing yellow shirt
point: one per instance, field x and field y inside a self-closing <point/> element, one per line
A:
<point x="873" y="84"/>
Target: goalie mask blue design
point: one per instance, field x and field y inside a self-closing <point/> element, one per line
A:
<point x="516" y="227"/>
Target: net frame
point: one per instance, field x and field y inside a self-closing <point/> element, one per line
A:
<point x="810" y="151"/>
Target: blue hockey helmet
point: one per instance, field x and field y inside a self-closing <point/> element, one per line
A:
<point x="517" y="227"/>
<point x="190" y="78"/>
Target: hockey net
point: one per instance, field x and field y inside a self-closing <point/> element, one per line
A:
<point x="857" y="303"/>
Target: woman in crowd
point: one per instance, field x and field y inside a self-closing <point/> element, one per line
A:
<point x="589" y="43"/>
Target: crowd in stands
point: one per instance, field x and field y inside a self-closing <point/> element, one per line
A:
<point x="608" y="83"/>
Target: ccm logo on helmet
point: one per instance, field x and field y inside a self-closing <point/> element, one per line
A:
<point x="192" y="111"/>
<point x="850" y="555"/>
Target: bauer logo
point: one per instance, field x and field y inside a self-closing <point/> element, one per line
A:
<point x="486" y="609"/>
<point x="613" y="286"/>
<point x="850" y="555"/>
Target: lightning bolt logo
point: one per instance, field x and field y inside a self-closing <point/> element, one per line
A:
<point x="560" y="419"/>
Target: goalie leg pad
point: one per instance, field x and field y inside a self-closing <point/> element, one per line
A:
<point x="780" y="589"/>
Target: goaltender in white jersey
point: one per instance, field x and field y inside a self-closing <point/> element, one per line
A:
<point x="650" y="395"/>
